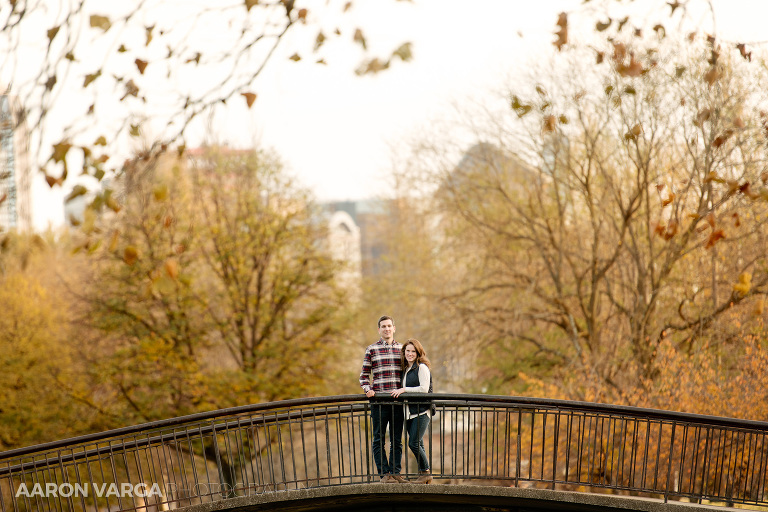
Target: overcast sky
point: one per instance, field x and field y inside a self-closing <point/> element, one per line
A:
<point x="334" y="130"/>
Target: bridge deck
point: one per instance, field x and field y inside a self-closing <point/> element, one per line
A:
<point x="443" y="498"/>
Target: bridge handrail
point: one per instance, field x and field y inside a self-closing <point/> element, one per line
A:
<point x="321" y="441"/>
<point x="512" y="401"/>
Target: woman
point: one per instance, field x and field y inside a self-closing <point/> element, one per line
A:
<point x="416" y="379"/>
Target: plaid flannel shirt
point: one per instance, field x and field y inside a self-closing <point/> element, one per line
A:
<point x="382" y="361"/>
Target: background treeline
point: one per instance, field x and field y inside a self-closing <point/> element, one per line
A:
<point x="601" y="238"/>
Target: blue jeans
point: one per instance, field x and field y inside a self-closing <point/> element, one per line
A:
<point x="381" y="416"/>
<point x="416" y="428"/>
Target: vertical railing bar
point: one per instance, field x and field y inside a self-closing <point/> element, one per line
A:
<point x="761" y="471"/>
<point x="623" y="449"/>
<point x="591" y="447"/>
<point x="568" y="440"/>
<point x="545" y="414"/>
<point x="441" y="439"/>
<point x="205" y="459"/>
<point x="704" y="466"/>
<point x="530" y="457"/>
<point x="304" y="447"/>
<point x="454" y="440"/>
<point x="339" y="445"/>
<point x="47" y="468"/>
<point x="10" y="489"/>
<point x="76" y="467"/>
<point x="749" y="466"/>
<point x="646" y="453"/>
<point x="156" y="477"/>
<point x="240" y="460"/>
<point x="140" y="473"/>
<point x="352" y="433"/>
<point x="317" y="443"/>
<point x="270" y="464"/>
<point x="22" y="479"/>
<point x="180" y="461"/>
<point x="580" y="447"/>
<point x="293" y="452"/>
<point x="114" y="473"/>
<point x="328" y="446"/>
<point x="194" y="466"/>
<point x="555" y="447"/>
<point x="250" y="438"/>
<point x="279" y="450"/>
<point x="658" y="457"/>
<point x="669" y="464"/>
<point x="127" y="469"/>
<point x="495" y="459"/>
<point x="633" y="454"/>
<point x="259" y="476"/>
<point x="406" y="412"/>
<point x="90" y="477"/>
<point x="518" y="446"/>
<point x="722" y="475"/>
<point x="507" y="449"/>
<point x="65" y="479"/>
<point x="695" y="466"/>
<point x="604" y="446"/>
<point x="368" y="462"/>
<point x="681" y="467"/>
<point x="231" y="458"/>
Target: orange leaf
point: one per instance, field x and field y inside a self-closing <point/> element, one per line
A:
<point x="250" y="97"/>
<point x="713" y="238"/>
<point x="141" y="64"/>
<point x="130" y="255"/>
<point x="172" y="268"/>
<point x="668" y="200"/>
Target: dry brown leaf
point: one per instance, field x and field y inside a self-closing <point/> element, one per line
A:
<point x="141" y="64"/>
<point x="562" y="32"/>
<point x="250" y="97"/>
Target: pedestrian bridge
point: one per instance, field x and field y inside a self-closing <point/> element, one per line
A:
<point x="486" y="453"/>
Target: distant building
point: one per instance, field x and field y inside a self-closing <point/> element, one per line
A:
<point x="344" y="245"/>
<point x="15" y="172"/>
<point x="368" y="216"/>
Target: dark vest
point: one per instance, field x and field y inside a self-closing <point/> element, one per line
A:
<point x="412" y="381"/>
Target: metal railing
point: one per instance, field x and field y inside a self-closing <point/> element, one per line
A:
<point x="324" y="441"/>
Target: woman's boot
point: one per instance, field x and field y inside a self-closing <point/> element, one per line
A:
<point x="425" y="477"/>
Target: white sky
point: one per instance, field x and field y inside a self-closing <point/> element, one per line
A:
<point x="334" y="130"/>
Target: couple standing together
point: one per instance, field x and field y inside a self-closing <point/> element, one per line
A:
<point x="391" y="369"/>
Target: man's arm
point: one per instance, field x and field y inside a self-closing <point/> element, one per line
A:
<point x="365" y="381"/>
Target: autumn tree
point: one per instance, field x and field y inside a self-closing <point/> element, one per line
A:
<point x="42" y="376"/>
<point x="270" y="293"/>
<point x="212" y="287"/>
<point x="620" y="203"/>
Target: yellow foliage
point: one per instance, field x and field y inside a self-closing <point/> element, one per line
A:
<point x="744" y="284"/>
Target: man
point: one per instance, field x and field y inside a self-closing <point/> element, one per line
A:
<point x="382" y="363"/>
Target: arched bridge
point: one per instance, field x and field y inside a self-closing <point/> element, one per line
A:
<point x="317" y="451"/>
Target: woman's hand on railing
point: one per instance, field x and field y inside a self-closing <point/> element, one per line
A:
<point x="396" y="393"/>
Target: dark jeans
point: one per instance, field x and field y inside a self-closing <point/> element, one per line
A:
<point x="416" y="428"/>
<point x="381" y="416"/>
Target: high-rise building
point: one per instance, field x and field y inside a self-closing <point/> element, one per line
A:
<point x="15" y="172"/>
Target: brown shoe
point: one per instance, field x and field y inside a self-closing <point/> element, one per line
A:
<point x="388" y="479"/>
<point x="398" y="478"/>
<point x="425" y="477"/>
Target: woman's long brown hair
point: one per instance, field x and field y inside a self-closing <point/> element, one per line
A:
<point x="421" y="354"/>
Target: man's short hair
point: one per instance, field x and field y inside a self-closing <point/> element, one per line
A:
<point x="385" y="317"/>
